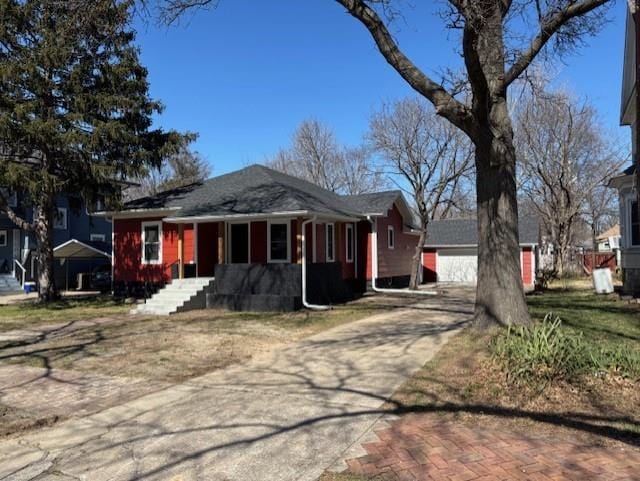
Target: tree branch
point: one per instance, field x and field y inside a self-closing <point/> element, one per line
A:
<point x="547" y="29"/>
<point x="445" y="104"/>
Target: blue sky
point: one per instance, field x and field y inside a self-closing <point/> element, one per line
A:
<point x="244" y="76"/>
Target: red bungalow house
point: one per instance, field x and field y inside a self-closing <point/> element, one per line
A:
<point x="244" y="240"/>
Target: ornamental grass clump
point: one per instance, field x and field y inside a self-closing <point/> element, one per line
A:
<point x="541" y="353"/>
<point x="546" y="352"/>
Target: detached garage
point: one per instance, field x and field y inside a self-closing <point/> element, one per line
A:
<point x="451" y="251"/>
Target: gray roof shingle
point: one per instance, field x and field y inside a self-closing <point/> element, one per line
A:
<point x="464" y="232"/>
<point x="373" y="203"/>
<point x="253" y="190"/>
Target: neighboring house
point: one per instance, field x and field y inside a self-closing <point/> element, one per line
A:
<point x="609" y="240"/>
<point x="451" y="251"/>
<point x="73" y="226"/>
<point x="627" y="182"/>
<point x="252" y="230"/>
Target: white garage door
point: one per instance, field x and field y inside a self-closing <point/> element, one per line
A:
<point x="457" y="265"/>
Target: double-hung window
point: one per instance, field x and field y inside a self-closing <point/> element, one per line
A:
<point x="391" y="237"/>
<point x="330" y="243"/>
<point x="60" y="219"/>
<point x="350" y="242"/>
<point x="151" y="242"/>
<point x="279" y="241"/>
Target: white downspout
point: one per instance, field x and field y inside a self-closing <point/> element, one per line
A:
<point x="374" y="266"/>
<point x="304" y="269"/>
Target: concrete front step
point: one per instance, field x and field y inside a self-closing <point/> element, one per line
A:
<point x="8" y="283"/>
<point x="179" y="296"/>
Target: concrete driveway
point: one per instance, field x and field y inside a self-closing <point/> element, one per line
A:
<point x="284" y="416"/>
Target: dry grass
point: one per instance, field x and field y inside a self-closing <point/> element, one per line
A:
<point x="28" y="314"/>
<point x="178" y="347"/>
<point x="463" y="383"/>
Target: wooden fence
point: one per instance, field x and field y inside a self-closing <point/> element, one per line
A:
<point x="602" y="260"/>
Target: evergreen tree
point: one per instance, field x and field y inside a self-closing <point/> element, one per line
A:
<point x="75" y="112"/>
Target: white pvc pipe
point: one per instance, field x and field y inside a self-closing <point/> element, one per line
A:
<point x="306" y="304"/>
<point x="374" y="267"/>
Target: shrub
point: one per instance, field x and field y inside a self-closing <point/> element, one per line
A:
<point x="546" y="352"/>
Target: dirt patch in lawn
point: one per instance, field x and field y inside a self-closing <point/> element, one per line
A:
<point x="180" y="347"/>
<point x="465" y="383"/>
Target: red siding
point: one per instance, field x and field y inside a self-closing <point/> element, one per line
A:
<point x="308" y="239"/>
<point x="207" y="248"/>
<point x="527" y="266"/>
<point x="364" y="250"/>
<point x="128" y="267"/>
<point x="189" y="245"/>
<point x="259" y="242"/>
<point x="429" y="260"/>
<point x="294" y="241"/>
<point x="397" y="261"/>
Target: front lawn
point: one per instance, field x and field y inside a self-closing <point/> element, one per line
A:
<point x="468" y="382"/>
<point x="29" y="314"/>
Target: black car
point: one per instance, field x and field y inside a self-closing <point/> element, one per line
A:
<point x="101" y="278"/>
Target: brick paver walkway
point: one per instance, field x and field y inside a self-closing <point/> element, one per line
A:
<point x="66" y="393"/>
<point x="421" y="447"/>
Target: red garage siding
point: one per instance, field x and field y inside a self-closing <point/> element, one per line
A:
<point x="527" y="266"/>
<point x="429" y="260"/>
<point x="189" y="246"/>
<point x="397" y="261"/>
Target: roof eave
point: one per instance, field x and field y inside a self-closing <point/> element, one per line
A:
<point x="260" y="216"/>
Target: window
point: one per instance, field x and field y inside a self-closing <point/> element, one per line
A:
<point x="279" y="241"/>
<point x="349" y="240"/>
<point x="151" y="242"/>
<point x="60" y="219"/>
<point x="330" y="243"/>
<point x="97" y="237"/>
<point x="635" y="224"/>
<point x="391" y="237"/>
<point x="3" y="238"/>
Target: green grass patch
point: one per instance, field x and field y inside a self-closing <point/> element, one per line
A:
<point x="576" y="333"/>
<point x="70" y="309"/>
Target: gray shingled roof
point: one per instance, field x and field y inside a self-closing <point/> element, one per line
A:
<point x="374" y="203"/>
<point x="464" y="232"/>
<point x="253" y="190"/>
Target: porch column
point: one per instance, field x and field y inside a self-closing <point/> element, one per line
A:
<point x="221" y="242"/>
<point x="299" y="221"/>
<point x="181" y="251"/>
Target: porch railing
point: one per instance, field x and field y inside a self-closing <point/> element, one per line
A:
<point x="21" y="272"/>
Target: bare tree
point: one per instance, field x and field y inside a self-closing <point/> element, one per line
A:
<point x="183" y="168"/>
<point x="499" y="40"/>
<point x="565" y="158"/>
<point x="316" y="155"/>
<point x="427" y="156"/>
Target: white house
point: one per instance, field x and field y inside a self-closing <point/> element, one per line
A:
<point x="627" y="183"/>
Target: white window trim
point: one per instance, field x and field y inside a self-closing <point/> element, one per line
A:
<point x="349" y="227"/>
<point x="97" y="237"/>
<point x="286" y="222"/>
<point x="391" y="233"/>
<point x="333" y="242"/>
<point x="230" y="237"/>
<point x="64" y="217"/>
<point x="160" y="238"/>
<point x="6" y="238"/>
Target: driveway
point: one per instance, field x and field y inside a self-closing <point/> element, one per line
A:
<point x="283" y="416"/>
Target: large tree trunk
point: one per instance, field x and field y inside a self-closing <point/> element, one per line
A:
<point x="416" y="261"/>
<point x="44" y="237"/>
<point x="500" y="294"/>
